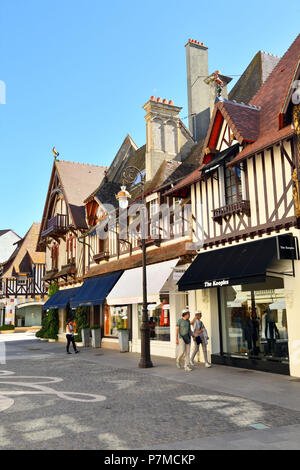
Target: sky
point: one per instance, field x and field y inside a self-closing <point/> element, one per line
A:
<point x="77" y="74"/>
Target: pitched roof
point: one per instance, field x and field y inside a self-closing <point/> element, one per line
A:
<point x="254" y="76"/>
<point x="3" y="232"/>
<point x="78" y="180"/>
<point x="242" y="119"/>
<point x="106" y="192"/>
<point x="27" y="247"/>
<point x="270" y="99"/>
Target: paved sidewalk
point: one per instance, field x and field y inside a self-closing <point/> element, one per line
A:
<point x="159" y="408"/>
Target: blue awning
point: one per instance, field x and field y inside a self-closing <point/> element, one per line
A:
<point x="61" y="298"/>
<point x="95" y="290"/>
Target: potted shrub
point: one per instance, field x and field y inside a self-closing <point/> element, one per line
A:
<point x="82" y="326"/>
<point x="123" y="334"/>
<point x="7" y="328"/>
<point x="96" y="336"/>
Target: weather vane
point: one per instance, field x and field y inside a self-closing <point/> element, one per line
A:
<point x="214" y="79"/>
<point x="55" y="153"/>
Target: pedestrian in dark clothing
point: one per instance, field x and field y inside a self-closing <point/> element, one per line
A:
<point x="70" y="337"/>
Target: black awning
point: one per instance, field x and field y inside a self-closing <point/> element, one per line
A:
<point x="239" y="264"/>
<point x="217" y="161"/>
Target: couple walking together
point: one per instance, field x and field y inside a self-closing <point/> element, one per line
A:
<point x="184" y="336"/>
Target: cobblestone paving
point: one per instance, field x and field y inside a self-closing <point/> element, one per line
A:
<point x="133" y="409"/>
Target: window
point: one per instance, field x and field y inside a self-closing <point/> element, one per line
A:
<point x="103" y="245"/>
<point x="54" y="256"/>
<point x="233" y="185"/>
<point x="71" y="249"/>
<point x="159" y="321"/>
<point x="115" y="317"/>
<point x="154" y="218"/>
<point x="255" y="321"/>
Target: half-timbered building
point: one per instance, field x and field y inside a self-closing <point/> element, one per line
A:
<point x="115" y="260"/>
<point x="63" y="224"/>
<point x="22" y="288"/>
<point x="245" y="206"/>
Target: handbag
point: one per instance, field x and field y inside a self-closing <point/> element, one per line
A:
<point x="198" y="340"/>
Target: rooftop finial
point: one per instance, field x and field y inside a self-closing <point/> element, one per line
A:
<point x="55" y="153"/>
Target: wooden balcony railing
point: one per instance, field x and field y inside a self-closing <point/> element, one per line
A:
<point x="56" y="225"/>
<point x="104" y="255"/>
<point x="239" y="207"/>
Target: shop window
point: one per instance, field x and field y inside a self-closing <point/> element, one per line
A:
<point x="115" y="317"/>
<point x="159" y="321"/>
<point x="254" y="321"/>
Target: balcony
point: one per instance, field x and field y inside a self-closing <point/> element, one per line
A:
<point x="239" y="207"/>
<point x="103" y="256"/>
<point x="57" y="225"/>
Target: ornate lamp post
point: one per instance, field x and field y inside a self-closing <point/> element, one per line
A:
<point x="129" y="176"/>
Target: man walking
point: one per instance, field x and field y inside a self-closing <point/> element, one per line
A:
<point x="183" y="339"/>
<point x="70" y="337"/>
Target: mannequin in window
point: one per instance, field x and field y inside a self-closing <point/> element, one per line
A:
<point x="238" y="321"/>
<point x="252" y="331"/>
<point x="271" y="330"/>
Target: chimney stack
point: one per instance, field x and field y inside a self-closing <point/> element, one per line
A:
<point x="201" y="97"/>
<point x="198" y="91"/>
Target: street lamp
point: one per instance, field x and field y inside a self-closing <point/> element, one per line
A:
<point x="129" y="176"/>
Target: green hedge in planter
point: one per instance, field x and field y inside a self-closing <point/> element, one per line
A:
<point x="81" y="319"/>
<point x="7" y="327"/>
<point x="50" y="322"/>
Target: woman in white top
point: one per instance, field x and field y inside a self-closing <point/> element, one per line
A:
<point x="199" y="338"/>
<point x="70" y="337"/>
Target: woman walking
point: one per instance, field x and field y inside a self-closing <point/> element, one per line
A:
<point x="199" y="337"/>
<point x="70" y="337"/>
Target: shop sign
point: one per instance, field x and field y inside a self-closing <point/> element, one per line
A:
<point x="224" y="282"/>
<point x="178" y="273"/>
<point x="286" y="247"/>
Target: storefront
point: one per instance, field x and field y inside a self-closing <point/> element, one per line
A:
<point x="125" y="303"/>
<point x="61" y="301"/>
<point x="92" y="294"/>
<point x="246" y="284"/>
<point x="29" y="314"/>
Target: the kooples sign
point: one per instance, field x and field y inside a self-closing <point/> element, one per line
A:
<point x="224" y="282"/>
<point x="286" y="247"/>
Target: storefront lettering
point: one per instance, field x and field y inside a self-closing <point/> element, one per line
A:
<point x="216" y="283"/>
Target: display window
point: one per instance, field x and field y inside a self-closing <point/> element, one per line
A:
<point x="159" y="321"/>
<point x="115" y="317"/>
<point x="254" y="321"/>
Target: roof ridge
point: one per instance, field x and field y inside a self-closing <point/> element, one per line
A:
<point x="272" y="55"/>
<point x="244" y="105"/>
<point x="78" y="163"/>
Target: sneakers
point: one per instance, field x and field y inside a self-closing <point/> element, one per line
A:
<point x="178" y="365"/>
<point x="188" y="369"/>
<point x="207" y="365"/>
<point x="69" y="353"/>
<point x="77" y="352"/>
<point x="192" y="363"/>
